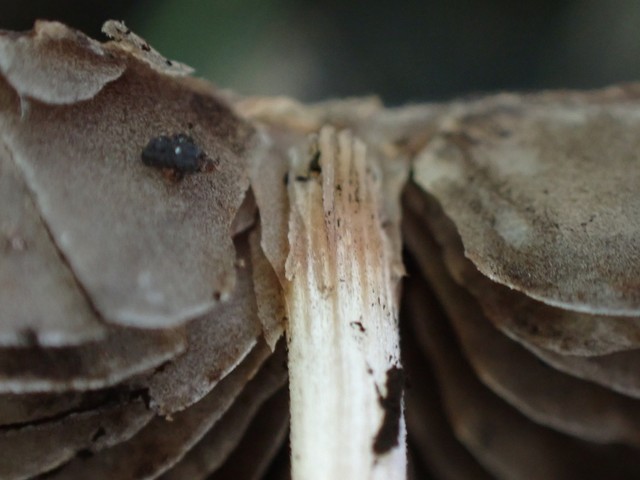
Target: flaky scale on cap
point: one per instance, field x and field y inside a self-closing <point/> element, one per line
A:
<point x="35" y="449"/>
<point x="163" y="442"/>
<point x="151" y="252"/>
<point x="543" y="394"/>
<point x="522" y="318"/>
<point x="217" y="344"/>
<point x="219" y="442"/>
<point x="268" y="173"/>
<point x="544" y="196"/>
<point x="246" y="216"/>
<point x="506" y="443"/>
<point x="55" y="64"/>
<point x="125" y="39"/>
<point x="40" y="300"/>
<point x="263" y="440"/>
<point x="122" y="354"/>
<point x="268" y="292"/>
<point x="288" y="114"/>
<point x="427" y="425"/>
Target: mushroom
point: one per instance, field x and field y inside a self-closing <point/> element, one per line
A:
<point x="196" y="284"/>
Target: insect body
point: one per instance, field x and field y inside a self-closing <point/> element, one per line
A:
<point x="177" y="155"/>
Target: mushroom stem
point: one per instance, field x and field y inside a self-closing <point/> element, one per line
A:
<point x="344" y="360"/>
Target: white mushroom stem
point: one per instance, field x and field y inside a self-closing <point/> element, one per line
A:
<point x="344" y="359"/>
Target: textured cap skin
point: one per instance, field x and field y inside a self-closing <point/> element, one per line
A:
<point x="127" y="283"/>
<point x="55" y="64"/>
<point x="524" y="319"/>
<point x="39" y="298"/>
<point x="149" y="250"/>
<point x="544" y="194"/>
<point x="218" y="342"/>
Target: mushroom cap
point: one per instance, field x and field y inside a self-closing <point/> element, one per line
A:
<point x="146" y="250"/>
<point x="543" y="191"/>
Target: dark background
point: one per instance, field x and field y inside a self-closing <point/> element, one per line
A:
<point x="404" y="51"/>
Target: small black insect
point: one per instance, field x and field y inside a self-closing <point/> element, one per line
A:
<point x="177" y="155"/>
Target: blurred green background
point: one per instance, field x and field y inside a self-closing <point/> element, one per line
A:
<point x="403" y="51"/>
